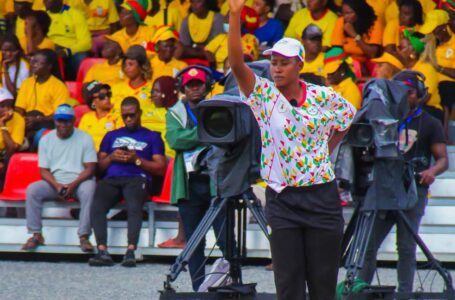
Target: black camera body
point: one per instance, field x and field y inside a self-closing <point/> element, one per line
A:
<point x="419" y="164"/>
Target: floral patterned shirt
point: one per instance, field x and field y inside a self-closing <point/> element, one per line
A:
<point x="295" y="139"/>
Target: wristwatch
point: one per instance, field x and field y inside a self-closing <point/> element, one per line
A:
<point x="357" y="38"/>
<point x="138" y="162"/>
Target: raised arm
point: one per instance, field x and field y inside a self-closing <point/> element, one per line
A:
<point x="242" y="73"/>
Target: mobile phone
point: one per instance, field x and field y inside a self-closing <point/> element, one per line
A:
<point x="63" y="191"/>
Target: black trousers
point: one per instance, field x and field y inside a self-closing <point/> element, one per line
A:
<point x="108" y="193"/>
<point x="307" y="229"/>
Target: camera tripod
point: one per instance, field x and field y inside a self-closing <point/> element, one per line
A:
<point x="354" y="247"/>
<point x="236" y="208"/>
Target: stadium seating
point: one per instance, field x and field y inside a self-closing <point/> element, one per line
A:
<point x="165" y="196"/>
<point x="75" y="89"/>
<point x="16" y="180"/>
<point x="85" y="65"/>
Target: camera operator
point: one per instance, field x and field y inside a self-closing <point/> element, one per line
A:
<point x="190" y="187"/>
<point x="300" y="124"/>
<point x="421" y="138"/>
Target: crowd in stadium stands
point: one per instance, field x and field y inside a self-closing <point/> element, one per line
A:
<point x="123" y="57"/>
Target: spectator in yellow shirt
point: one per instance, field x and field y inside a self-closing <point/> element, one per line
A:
<point x="37" y="24"/>
<point x="134" y="31"/>
<point x="340" y="76"/>
<point x="202" y="25"/>
<point x="21" y="9"/>
<point x="411" y="50"/>
<point x="387" y="65"/>
<point x="314" y="57"/>
<point x="12" y="127"/>
<point x="14" y="68"/>
<point x="101" y="119"/>
<point x="42" y="93"/>
<point x="183" y="6"/>
<point x="163" y="15"/>
<point x="110" y="71"/>
<point x="69" y="31"/>
<point x="392" y="12"/>
<point x="411" y="18"/>
<point x="164" y="63"/>
<point x="443" y="39"/>
<point x="138" y="71"/>
<point x="317" y="12"/>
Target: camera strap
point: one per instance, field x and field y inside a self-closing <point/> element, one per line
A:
<point x="191" y="114"/>
<point x="404" y="124"/>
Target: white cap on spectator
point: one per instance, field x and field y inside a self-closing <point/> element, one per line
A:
<point x="288" y="47"/>
<point x="5" y="95"/>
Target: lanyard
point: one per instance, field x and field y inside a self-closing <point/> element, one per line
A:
<point x="191" y="114"/>
<point x="409" y="119"/>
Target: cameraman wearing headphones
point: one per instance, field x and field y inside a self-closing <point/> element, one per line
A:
<point x="191" y="186"/>
<point x="421" y="138"/>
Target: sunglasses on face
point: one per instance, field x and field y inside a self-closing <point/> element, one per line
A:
<point x="131" y="116"/>
<point x="103" y="96"/>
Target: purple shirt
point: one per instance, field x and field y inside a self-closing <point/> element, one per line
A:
<point x="146" y="143"/>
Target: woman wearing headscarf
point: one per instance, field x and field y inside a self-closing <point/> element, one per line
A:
<point x="165" y="42"/>
<point x="134" y="31"/>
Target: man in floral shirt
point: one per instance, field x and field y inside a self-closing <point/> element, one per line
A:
<point x="300" y="123"/>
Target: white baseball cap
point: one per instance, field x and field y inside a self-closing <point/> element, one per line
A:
<point x="5" y="95"/>
<point x="288" y="47"/>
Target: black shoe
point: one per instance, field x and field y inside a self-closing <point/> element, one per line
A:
<point x="129" y="260"/>
<point x="101" y="259"/>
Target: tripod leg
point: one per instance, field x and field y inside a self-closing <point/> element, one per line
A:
<point x="200" y="232"/>
<point x="435" y="263"/>
<point x="258" y="212"/>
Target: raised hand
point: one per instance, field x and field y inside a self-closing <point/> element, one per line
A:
<point x="236" y="6"/>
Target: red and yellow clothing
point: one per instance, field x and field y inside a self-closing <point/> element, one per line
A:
<point x="392" y="12"/>
<point x="302" y="18"/>
<point x="98" y="127"/>
<point x="316" y="66"/>
<point x="142" y="37"/>
<point x="46" y="43"/>
<point x="393" y="33"/>
<point x="106" y="73"/>
<point x="431" y="82"/>
<point x="69" y="29"/>
<point x="349" y="44"/>
<point x="349" y="91"/>
<point x="16" y="129"/>
<point x="153" y="118"/>
<point x="445" y="57"/>
<point x="174" y="19"/>
<point x="161" y="68"/>
<point x="43" y="97"/>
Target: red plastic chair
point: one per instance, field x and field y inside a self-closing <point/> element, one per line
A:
<point x="80" y="110"/>
<point x="22" y="170"/>
<point x="75" y="89"/>
<point x="85" y="65"/>
<point x="165" y="196"/>
<point x="196" y="61"/>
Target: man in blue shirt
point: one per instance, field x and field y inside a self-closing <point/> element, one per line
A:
<point x="128" y="156"/>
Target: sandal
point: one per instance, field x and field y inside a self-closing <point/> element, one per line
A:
<point x="33" y="242"/>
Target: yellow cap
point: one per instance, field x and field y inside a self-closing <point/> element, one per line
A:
<point x="433" y="19"/>
<point x="389" y="58"/>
